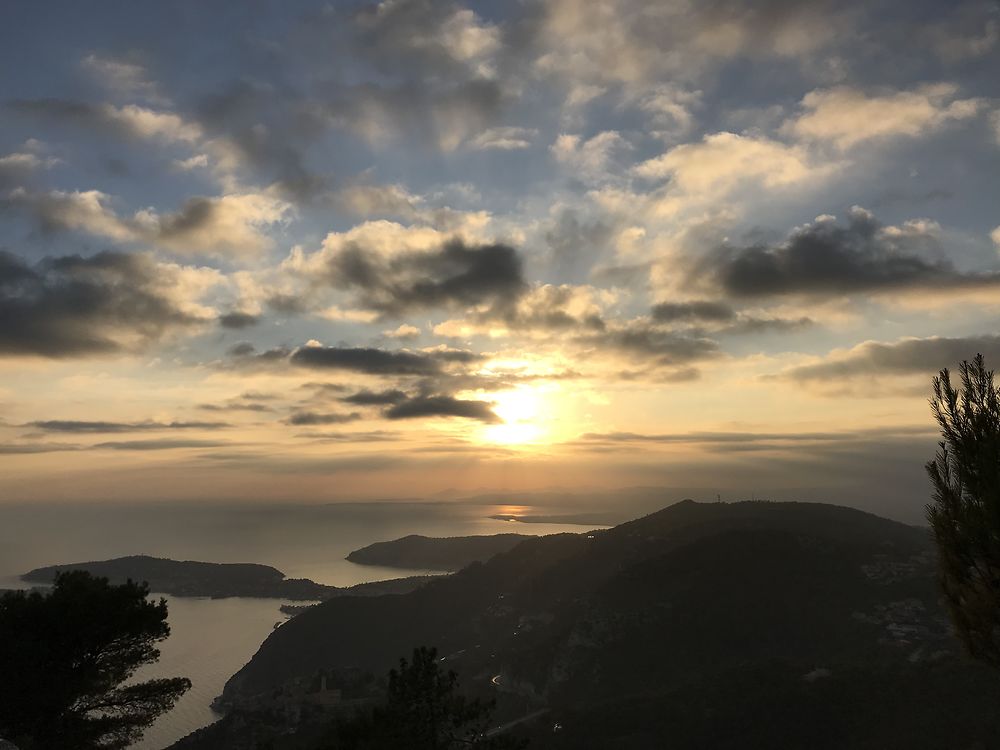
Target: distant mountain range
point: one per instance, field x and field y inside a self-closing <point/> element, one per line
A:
<point x="716" y="625"/>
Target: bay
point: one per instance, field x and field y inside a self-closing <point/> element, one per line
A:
<point x="211" y="639"/>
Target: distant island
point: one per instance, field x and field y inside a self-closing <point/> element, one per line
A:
<point x="220" y="580"/>
<point x="430" y="553"/>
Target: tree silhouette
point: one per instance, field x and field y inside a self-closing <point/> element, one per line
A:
<point x="965" y="512"/>
<point x="65" y="657"/>
<point x="422" y="711"/>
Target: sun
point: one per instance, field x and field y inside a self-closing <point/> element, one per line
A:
<point x="520" y="409"/>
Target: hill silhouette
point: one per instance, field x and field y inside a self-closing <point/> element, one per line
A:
<point x="660" y="627"/>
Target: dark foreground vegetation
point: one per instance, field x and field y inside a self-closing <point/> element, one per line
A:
<point x="66" y="657"/>
<point x="702" y="625"/>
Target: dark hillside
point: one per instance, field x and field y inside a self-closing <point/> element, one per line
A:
<point x="660" y="628"/>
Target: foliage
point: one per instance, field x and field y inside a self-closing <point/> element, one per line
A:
<point x="422" y="711"/>
<point x="965" y="513"/>
<point x="65" y="659"/>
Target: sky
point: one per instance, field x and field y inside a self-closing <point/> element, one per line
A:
<point x="349" y="250"/>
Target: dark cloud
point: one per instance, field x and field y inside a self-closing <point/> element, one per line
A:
<point x="577" y="244"/>
<point x="908" y="356"/>
<point x="442" y="406"/>
<point x="379" y="361"/>
<point x="685" y="312"/>
<point x="453" y="275"/>
<point x="242" y="349"/>
<point x="65" y="111"/>
<point x="548" y="307"/>
<point x="75" y="426"/>
<point x="292" y="119"/>
<point x="375" y="398"/>
<point x="26" y="449"/>
<point x="238" y="320"/>
<point x="316" y="418"/>
<point x="287" y="304"/>
<point x="713" y="437"/>
<point x="258" y="396"/>
<point x="236" y="406"/>
<point x="245" y="356"/>
<point x="73" y="306"/>
<point x="323" y="389"/>
<point x="371" y="436"/>
<point x="652" y="345"/>
<point x="158" y="445"/>
<point x="748" y="324"/>
<point x="827" y="258"/>
<point x="729" y="322"/>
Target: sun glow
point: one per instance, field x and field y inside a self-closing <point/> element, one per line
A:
<point x="521" y="411"/>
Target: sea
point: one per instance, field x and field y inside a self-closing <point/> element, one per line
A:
<point x="211" y="639"/>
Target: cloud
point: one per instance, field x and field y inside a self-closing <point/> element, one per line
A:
<point x="198" y="161"/>
<point x="749" y="324"/>
<point x="225" y="225"/>
<point x="391" y="270"/>
<point x="356" y="436"/>
<point x="847" y="116"/>
<point x="124" y="77"/>
<point x="684" y="312"/>
<point x="404" y="332"/>
<point x="577" y="242"/>
<point x="84" y="427"/>
<point x="543" y="309"/>
<point x="236" y="406"/>
<point x="72" y="306"/>
<point x="442" y="406"/>
<point x="379" y="361"/>
<point x="508" y="138"/>
<point x="249" y="401"/>
<point x="631" y="43"/>
<point x="382" y="201"/>
<point x="656" y="346"/>
<point x="758" y="441"/>
<point x="725" y="319"/>
<point x="445" y="115"/>
<point x="904" y="357"/>
<point x="433" y="72"/>
<point x="715" y="437"/>
<point x="158" y="445"/>
<point x="244" y="349"/>
<point x="827" y="258"/>
<point x="27" y="449"/>
<point x="590" y="160"/>
<point x="17" y="166"/>
<point x="238" y="320"/>
<point x="130" y="120"/>
<point x="651" y="345"/>
<point x="317" y="418"/>
<point x="372" y="398"/>
<point x="435" y="36"/>
<point x="669" y="108"/>
<point x="721" y="162"/>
